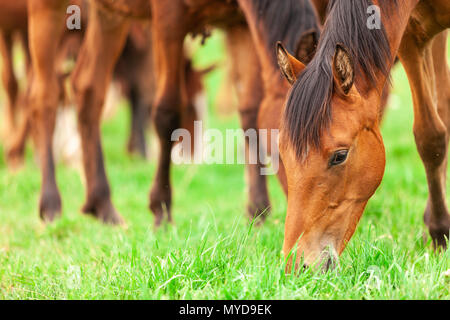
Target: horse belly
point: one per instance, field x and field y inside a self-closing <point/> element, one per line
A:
<point x="139" y="9"/>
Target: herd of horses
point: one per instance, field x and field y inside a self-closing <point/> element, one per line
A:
<point x="328" y="106"/>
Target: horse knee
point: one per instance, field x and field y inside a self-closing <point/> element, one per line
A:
<point x="88" y="104"/>
<point x="431" y="144"/>
<point x="166" y="120"/>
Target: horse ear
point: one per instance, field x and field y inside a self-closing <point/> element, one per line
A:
<point x="307" y="45"/>
<point x="343" y="69"/>
<point x="289" y="65"/>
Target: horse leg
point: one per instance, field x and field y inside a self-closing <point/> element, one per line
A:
<point x="168" y="36"/>
<point x="46" y="22"/>
<point x="431" y="124"/>
<point x="103" y="43"/>
<point x="16" y="149"/>
<point x="440" y="220"/>
<point x="139" y="118"/>
<point x="9" y="81"/>
<point x="246" y="74"/>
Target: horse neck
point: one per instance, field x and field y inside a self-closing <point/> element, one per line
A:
<point x="395" y="21"/>
<point x="265" y="32"/>
<point x="273" y="81"/>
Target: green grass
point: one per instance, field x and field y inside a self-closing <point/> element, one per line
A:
<point x="212" y="252"/>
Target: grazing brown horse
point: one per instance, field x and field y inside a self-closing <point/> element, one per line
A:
<point x="330" y="141"/>
<point x="108" y="27"/>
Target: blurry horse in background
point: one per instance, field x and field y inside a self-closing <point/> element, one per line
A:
<point x="14" y="21"/>
<point x="105" y="38"/>
<point x="251" y="42"/>
<point x="134" y="72"/>
<point x="330" y="141"/>
<point x="103" y="43"/>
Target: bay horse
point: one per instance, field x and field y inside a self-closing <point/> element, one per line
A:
<point x="330" y="140"/>
<point x="106" y="34"/>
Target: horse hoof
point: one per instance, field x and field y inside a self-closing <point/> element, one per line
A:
<point x="48" y="216"/>
<point x="106" y="213"/>
<point x="158" y="212"/>
<point x="440" y="236"/>
<point x="160" y="206"/>
<point x="158" y="221"/>
<point x="50" y="206"/>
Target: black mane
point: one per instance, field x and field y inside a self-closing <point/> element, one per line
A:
<point x="308" y="110"/>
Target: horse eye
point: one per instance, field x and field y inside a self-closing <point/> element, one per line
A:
<point x="338" y="157"/>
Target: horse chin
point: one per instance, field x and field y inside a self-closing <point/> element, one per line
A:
<point x="325" y="260"/>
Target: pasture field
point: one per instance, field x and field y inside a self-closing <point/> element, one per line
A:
<point x="212" y="252"/>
